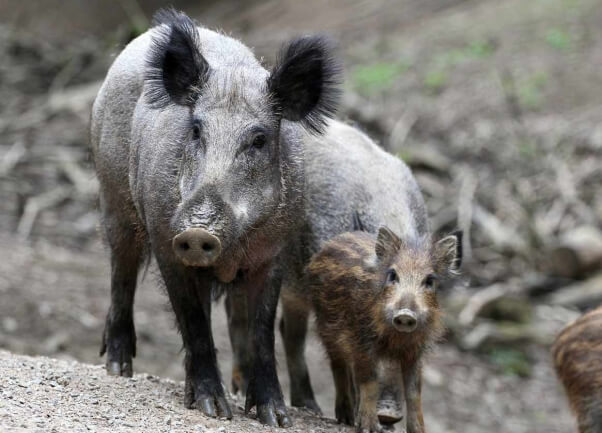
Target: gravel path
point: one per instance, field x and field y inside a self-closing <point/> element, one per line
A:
<point x="39" y="394"/>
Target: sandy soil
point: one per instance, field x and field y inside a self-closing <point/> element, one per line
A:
<point x="48" y="395"/>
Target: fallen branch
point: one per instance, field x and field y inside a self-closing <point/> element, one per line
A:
<point x="503" y="237"/>
<point x="38" y="203"/>
<point x="584" y="294"/>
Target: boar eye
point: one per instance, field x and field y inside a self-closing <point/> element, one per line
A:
<point x="391" y="276"/>
<point x="259" y="141"/>
<point x="196" y="131"/>
<point x="430" y="281"/>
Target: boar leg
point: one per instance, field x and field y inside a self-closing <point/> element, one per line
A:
<point x="366" y="380"/>
<point x="190" y="297"/>
<point x="127" y="251"/>
<point x="412" y="384"/>
<point x="236" y="311"/>
<point x="390" y="401"/>
<point x="344" y="405"/>
<point x="293" y="328"/>
<point x="264" y="389"/>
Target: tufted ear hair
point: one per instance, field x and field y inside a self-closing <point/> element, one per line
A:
<point x="304" y="83"/>
<point x="387" y="244"/>
<point x="447" y="254"/>
<point x="176" y="70"/>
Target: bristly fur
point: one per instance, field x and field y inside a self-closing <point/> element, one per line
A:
<point x="304" y="83"/>
<point x="176" y="70"/>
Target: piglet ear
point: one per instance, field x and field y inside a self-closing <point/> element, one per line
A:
<point x="387" y="244"/>
<point x="304" y="82"/>
<point x="176" y="69"/>
<point x="447" y="254"/>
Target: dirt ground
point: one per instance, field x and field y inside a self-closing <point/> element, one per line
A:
<point x="42" y="395"/>
<point x="494" y="105"/>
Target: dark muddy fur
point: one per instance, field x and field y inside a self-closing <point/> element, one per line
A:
<point x="577" y="356"/>
<point x="191" y="134"/>
<point x="359" y="283"/>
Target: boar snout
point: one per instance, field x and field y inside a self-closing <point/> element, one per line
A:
<point x="405" y="320"/>
<point x="197" y="247"/>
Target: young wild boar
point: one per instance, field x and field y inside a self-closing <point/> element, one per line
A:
<point x="578" y="360"/>
<point x="375" y="298"/>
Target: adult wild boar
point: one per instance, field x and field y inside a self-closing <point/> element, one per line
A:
<point x="199" y="154"/>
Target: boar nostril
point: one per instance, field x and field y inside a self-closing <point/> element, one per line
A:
<point x="197" y="247"/>
<point x="405" y="320"/>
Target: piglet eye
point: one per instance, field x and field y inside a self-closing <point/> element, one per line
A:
<point x="430" y="281"/>
<point x="196" y="131"/>
<point x="259" y="141"/>
<point x="391" y="276"/>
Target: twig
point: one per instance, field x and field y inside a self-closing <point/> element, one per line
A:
<point x="85" y="183"/>
<point x="401" y="130"/>
<point x="465" y="204"/>
<point x="502" y="236"/>
<point x="476" y="303"/>
<point x="11" y="158"/>
<point x="38" y="203"/>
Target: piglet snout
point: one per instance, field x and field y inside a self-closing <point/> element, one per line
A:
<point x="405" y="320"/>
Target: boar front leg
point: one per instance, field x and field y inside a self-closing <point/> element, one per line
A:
<point x="190" y="296"/>
<point x="366" y="381"/>
<point x="344" y="404"/>
<point x="412" y="384"/>
<point x="264" y="389"/>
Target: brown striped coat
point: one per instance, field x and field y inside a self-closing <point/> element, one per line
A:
<point x="577" y="355"/>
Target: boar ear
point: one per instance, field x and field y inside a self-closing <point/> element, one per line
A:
<point x="447" y="254"/>
<point x="176" y="69"/>
<point x="304" y="82"/>
<point x="387" y="243"/>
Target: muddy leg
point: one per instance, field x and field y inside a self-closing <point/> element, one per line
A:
<point x="344" y="405"/>
<point x="390" y="400"/>
<point x="293" y="328"/>
<point x="366" y="380"/>
<point x="127" y="251"/>
<point x="236" y="310"/>
<point x="412" y="384"/>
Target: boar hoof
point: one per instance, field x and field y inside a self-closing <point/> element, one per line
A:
<point x="215" y="406"/>
<point x="272" y="413"/>
<point x="372" y="426"/>
<point x="389" y="412"/>
<point x="119" y="343"/>
<point x="344" y="413"/>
